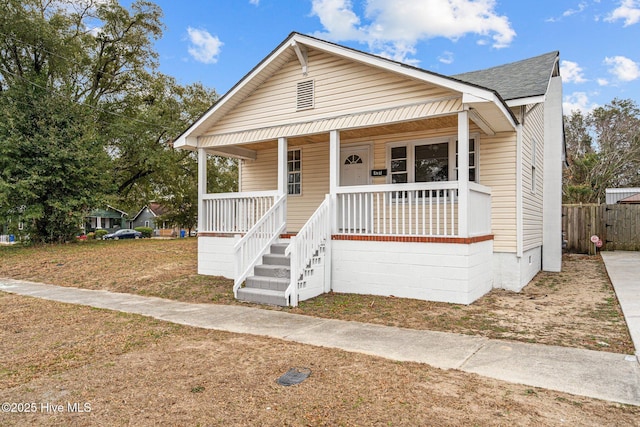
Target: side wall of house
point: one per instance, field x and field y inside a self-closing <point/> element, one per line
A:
<point x="511" y="271"/>
<point x="533" y="176"/>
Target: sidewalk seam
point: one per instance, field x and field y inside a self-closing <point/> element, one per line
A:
<point x="466" y="360"/>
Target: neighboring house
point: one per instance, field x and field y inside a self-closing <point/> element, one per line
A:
<point x="149" y="215"/>
<point x="622" y="195"/>
<point x="110" y="219"/>
<point x="360" y="174"/>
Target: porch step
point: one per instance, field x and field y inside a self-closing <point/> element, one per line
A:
<point x="276" y="259"/>
<point x="270" y="280"/>
<point x="279" y="248"/>
<point x="262" y="296"/>
<point x="267" y="270"/>
<point x="273" y="283"/>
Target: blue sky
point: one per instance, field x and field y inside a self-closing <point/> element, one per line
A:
<point x="217" y="42"/>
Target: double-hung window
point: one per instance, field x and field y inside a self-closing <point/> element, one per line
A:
<point x="294" y="172"/>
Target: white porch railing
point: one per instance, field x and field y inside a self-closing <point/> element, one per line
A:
<point x="479" y="212"/>
<point x="256" y="242"/>
<point x="234" y="212"/>
<point x="310" y="251"/>
<point x="420" y="209"/>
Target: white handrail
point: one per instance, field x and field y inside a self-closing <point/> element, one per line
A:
<point x="253" y="245"/>
<point x="306" y="244"/>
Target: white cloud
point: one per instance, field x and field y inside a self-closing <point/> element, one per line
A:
<point x="603" y="82"/>
<point x="569" y="12"/>
<point x="582" y="6"/>
<point x="571" y="72"/>
<point x="204" y="47"/>
<point x="446" y="58"/>
<point x="394" y="28"/>
<point x="623" y="68"/>
<point x="577" y="101"/>
<point x="254" y="2"/>
<point x="629" y="11"/>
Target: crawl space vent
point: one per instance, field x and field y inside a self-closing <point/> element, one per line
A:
<point x="305" y="95"/>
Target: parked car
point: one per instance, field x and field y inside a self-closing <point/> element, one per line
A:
<point x="125" y="233"/>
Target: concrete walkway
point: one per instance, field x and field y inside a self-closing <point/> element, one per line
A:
<point x="624" y="271"/>
<point x="601" y="375"/>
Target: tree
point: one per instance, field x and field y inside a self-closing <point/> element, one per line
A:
<point x="89" y="70"/>
<point x="52" y="165"/>
<point x="603" y="151"/>
<point x="65" y="70"/>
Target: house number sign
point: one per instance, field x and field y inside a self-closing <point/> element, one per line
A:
<point x="378" y="172"/>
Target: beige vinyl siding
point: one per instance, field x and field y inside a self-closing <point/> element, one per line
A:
<point x="261" y="174"/>
<point x="532" y="202"/>
<point x="315" y="185"/>
<point x="498" y="171"/>
<point x="369" y="89"/>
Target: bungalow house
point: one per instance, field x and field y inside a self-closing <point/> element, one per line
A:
<point x="359" y="174"/>
<point x="110" y="219"/>
<point x="150" y="216"/>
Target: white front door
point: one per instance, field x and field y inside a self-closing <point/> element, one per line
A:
<point x="354" y="170"/>
<point x="354" y="166"/>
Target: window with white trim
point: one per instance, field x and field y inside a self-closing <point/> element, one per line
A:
<point x="294" y="172"/>
<point x="472" y="160"/>
<point x="429" y="161"/>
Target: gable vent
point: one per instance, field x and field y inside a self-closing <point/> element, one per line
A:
<point x="305" y="95"/>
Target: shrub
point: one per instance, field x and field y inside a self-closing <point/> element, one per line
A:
<point x="91" y="236"/>
<point x="146" y="231"/>
<point x="99" y="234"/>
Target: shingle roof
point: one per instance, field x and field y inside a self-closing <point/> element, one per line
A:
<point x="521" y="79"/>
<point x="635" y="199"/>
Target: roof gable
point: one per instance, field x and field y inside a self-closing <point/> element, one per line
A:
<point x="295" y="48"/>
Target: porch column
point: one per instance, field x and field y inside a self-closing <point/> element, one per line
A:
<point x="463" y="174"/>
<point x="334" y="161"/>
<point x="202" y="187"/>
<point x="282" y="166"/>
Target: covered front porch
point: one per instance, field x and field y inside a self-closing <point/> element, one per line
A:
<point x="361" y="229"/>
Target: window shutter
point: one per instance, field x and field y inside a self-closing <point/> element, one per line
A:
<point x="305" y="95"/>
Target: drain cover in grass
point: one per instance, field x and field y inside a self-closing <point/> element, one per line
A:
<point x="294" y="376"/>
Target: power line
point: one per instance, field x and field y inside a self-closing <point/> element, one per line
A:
<point x="95" y="107"/>
<point x="52" y="53"/>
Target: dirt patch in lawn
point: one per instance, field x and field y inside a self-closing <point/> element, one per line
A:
<point x="574" y="308"/>
<point x="124" y="369"/>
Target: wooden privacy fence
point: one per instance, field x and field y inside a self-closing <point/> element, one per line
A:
<point x="618" y="226"/>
